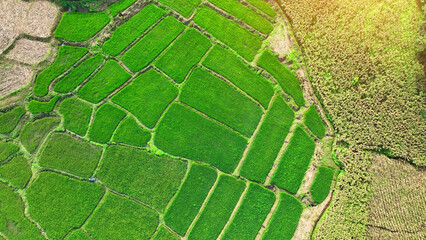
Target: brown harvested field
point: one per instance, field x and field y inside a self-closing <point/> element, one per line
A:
<point x="28" y="51"/>
<point x="13" y="76"/>
<point x="40" y="19"/>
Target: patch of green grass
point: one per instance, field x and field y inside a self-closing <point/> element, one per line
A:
<point x="33" y="133"/>
<point x="66" y="57"/>
<point x="10" y="119"/>
<point x="231" y="33"/>
<point x="76" y="114"/>
<point x="268" y="141"/>
<point x="183" y="132"/>
<point x="151" y="179"/>
<point x="164" y="234"/>
<point x="253" y="210"/>
<point x="214" y="97"/>
<point x="263" y="6"/>
<point x="184" y="7"/>
<point x="120" y="6"/>
<point x="236" y="71"/>
<point x="190" y="197"/>
<point x="107" y="118"/>
<point x="152" y="44"/>
<point x="295" y="161"/>
<point x="80" y="26"/>
<point x="77" y="75"/>
<point x="70" y="154"/>
<point x="35" y="106"/>
<point x="78" y="234"/>
<point x="110" y="77"/>
<point x="285" y="219"/>
<point x="59" y="203"/>
<point x="242" y="12"/>
<point x="285" y="78"/>
<point x="7" y="149"/>
<point x="313" y="121"/>
<point x="147" y="96"/>
<point x="126" y="33"/>
<point x="121" y="218"/>
<point x="131" y="133"/>
<point x="17" y="172"/>
<point x="218" y="208"/>
<point x="183" y="54"/>
<point x="321" y="185"/>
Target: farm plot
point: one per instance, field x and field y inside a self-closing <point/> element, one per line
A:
<point x="34" y="132"/>
<point x="184" y="7"/>
<point x="10" y="119"/>
<point x="313" y="122"/>
<point x="16" y="172"/>
<point x="7" y="149"/>
<point x="35" y="106"/>
<point x="321" y="185"/>
<point x="131" y="133"/>
<point x="76" y="115"/>
<point x="106" y="120"/>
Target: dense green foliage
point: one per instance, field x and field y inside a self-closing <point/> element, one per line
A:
<point x="164" y="234"/>
<point x="184" y="7"/>
<point x="80" y="26"/>
<point x="70" y="154"/>
<point x="231" y="33"/>
<point x="66" y="57"/>
<point x="76" y="114"/>
<point x="129" y="132"/>
<point x="33" y="133"/>
<point x="7" y="149"/>
<point x="132" y="29"/>
<point x="268" y="141"/>
<point x="109" y="77"/>
<point x="10" y="119"/>
<point x="35" y="106"/>
<point x="152" y="44"/>
<point x="78" y="234"/>
<point x="321" y="185"/>
<point x="149" y="178"/>
<point x="295" y="161"/>
<point x="16" y="172"/>
<point x="107" y="118"/>
<point x="183" y="54"/>
<point x="59" y="203"/>
<point x="264" y="6"/>
<point x="147" y="96"/>
<point x="190" y="197"/>
<point x="186" y="133"/>
<point x="313" y="122"/>
<point x="120" y="6"/>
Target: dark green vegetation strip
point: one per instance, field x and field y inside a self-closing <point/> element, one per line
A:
<point x="77" y="75"/>
<point x="184" y="7"/>
<point x="285" y="219"/>
<point x="34" y="132"/>
<point x="78" y="234"/>
<point x="152" y="44"/>
<point x="264" y="6"/>
<point x="120" y="6"/>
<point x="218" y="100"/>
<point x="218" y="209"/>
<point x="131" y="133"/>
<point x="321" y="185"/>
<point x="132" y="29"/>
<point x="149" y="178"/>
<point x="80" y="26"/>
<point x="295" y="161"/>
<point x="35" y="106"/>
<point x="14" y="224"/>
<point x="107" y="118"/>
<point x="313" y="122"/>
<point x="17" y="172"/>
<point x="186" y="133"/>
<point x="239" y="74"/>
<point x="164" y="234"/>
<point x="183" y="54"/>
<point x="67" y="56"/>
<point x="189" y="199"/>
<point x="242" y="12"/>
<point x="231" y="33"/>
<point x="10" y="119"/>
<point x="76" y="114"/>
<point x="7" y="149"/>
<point x="287" y="79"/>
<point x="250" y="215"/>
<point x="121" y="218"/>
<point x="268" y="141"/>
<point x="147" y="96"/>
<point x="59" y="203"/>
<point x="70" y="154"/>
<point x="109" y="77"/>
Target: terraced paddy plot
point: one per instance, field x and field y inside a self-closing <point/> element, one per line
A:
<point x="35" y="106"/>
<point x="10" y="119"/>
<point x="70" y="154"/>
<point x="147" y="97"/>
<point x="231" y="33"/>
<point x="183" y="54"/>
<point x="295" y="161"/>
<point x="16" y="172"/>
<point x="184" y="7"/>
<point x="313" y="122"/>
<point x="120" y="6"/>
<point x="7" y="149"/>
<point x="107" y="118"/>
<point x="76" y="115"/>
<point x="60" y="204"/>
<point x="236" y="71"/>
<point x="110" y="77"/>
<point x="144" y="51"/>
<point x="121" y="218"/>
<point x="268" y="141"/>
<point x="149" y="178"/>
<point x="263" y="6"/>
<point x="190" y="198"/>
<point x="322" y="183"/>
<point x="218" y="208"/>
<point x="184" y="132"/>
<point x="129" y="132"/>
<point x="33" y="133"/>
<point x="214" y="97"/>
<point x="126" y="33"/>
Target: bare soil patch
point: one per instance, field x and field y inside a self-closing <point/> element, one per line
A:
<point x="280" y="40"/>
<point x="13" y="77"/>
<point x="28" y="51"/>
